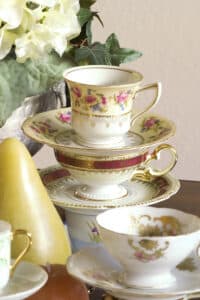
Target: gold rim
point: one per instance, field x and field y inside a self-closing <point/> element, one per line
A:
<point x="73" y="69"/>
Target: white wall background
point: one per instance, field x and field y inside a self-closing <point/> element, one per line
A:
<point x="168" y="34"/>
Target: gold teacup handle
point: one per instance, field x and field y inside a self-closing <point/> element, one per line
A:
<point x="24" y="251"/>
<point x="157" y="87"/>
<point x="146" y="173"/>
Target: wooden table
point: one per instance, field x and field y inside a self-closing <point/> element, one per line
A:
<point x="187" y="199"/>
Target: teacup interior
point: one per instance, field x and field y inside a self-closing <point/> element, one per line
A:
<point x="148" y="222"/>
<point x="102" y="76"/>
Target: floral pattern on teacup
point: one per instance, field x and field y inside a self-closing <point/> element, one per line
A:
<point x="157" y="226"/>
<point x="94" y="234"/>
<point x="91" y="101"/>
<point x="148" y="250"/>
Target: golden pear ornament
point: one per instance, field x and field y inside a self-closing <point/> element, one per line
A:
<point x="25" y="204"/>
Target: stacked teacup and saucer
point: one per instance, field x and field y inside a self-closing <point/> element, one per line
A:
<point x="104" y="147"/>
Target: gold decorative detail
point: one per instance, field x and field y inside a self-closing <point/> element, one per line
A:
<point x="187" y="265"/>
<point x="165" y="226"/>
<point x="100" y="116"/>
<point x="53" y="178"/>
<point x="87" y="198"/>
<point x="146" y="173"/>
<point x="148" y="244"/>
<point x="28" y="237"/>
<point x="153" y="251"/>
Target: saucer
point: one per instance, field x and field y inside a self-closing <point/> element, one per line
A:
<point x="96" y="267"/>
<point x="53" y="128"/>
<point x="27" y="280"/>
<point x="62" y="187"/>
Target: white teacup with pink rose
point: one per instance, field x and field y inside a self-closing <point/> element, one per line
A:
<point x="102" y="99"/>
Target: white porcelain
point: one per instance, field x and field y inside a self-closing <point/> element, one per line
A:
<point x="27" y="280"/>
<point x="53" y="128"/>
<point x="102" y="184"/>
<point x="6" y="236"/>
<point x="81" y="215"/>
<point x="102" y="99"/>
<point x="148" y="242"/>
<point x="82" y="228"/>
<point x="101" y="178"/>
<point x="61" y="187"/>
<point x="96" y="267"/>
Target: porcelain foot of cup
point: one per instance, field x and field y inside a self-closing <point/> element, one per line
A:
<point x="103" y="193"/>
<point x="147" y="281"/>
<point x="99" y="143"/>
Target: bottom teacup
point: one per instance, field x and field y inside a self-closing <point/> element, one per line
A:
<point x="148" y="242"/>
<point x="6" y="236"/>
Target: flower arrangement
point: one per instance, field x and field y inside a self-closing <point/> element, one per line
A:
<point x="35" y="28"/>
<point x="41" y="38"/>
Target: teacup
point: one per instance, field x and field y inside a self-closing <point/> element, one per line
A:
<point x="101" y="177"/>
<point x="148" y="242"/>
<point x="102" y="99"/>
<point x="6" y="236"/>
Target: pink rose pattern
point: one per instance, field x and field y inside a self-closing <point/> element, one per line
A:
<point x="65" y="117"/>
<point x="43" y="128"/>
<point x="122" y="97"/>
<point x="76" y="91"/>
<point x="99" y="102"/>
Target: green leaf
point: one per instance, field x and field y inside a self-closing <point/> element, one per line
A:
<point x="87" y="3"/>
<point x="94" y="54"/>
<point x="109" y="53"/>
<point x="18" y="81"/>
<point x="96" y="15"/>
<point x="88" y="31"/>
<point x="84" y="16"/>
<point x="120" y="55"/>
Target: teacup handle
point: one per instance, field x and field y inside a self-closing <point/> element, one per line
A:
<point x="157" y="87"/>
<point x="24" y="251"/>
<point x="146" y="173"/>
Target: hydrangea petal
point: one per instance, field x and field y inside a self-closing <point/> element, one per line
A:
<point x="59" y="44"/>
<point x="66" y="5"/>
<point x="34" y="44"/>
<point x="11" y="12"/>
<point x="64" y="24"/>
<point x="6" y="41"/>
<point x="49" y="3"/>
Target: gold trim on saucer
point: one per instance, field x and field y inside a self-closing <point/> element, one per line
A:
<point x="47" y="175"/>
<point x="54" y="127"/>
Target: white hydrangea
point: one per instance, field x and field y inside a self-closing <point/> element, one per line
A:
<point x="38" y="28"/>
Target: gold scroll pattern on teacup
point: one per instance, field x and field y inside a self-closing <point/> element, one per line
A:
<point x="149" y="249"/>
